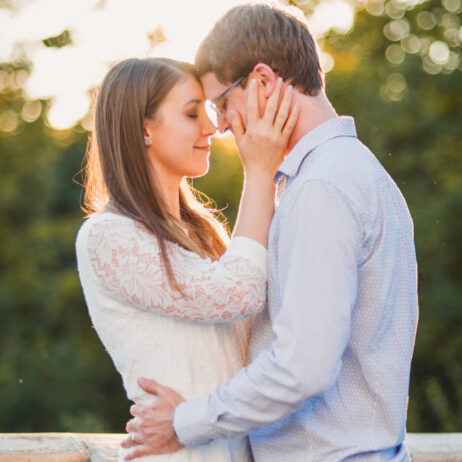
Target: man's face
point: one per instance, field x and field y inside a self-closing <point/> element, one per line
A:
<point x="235" y="100"/>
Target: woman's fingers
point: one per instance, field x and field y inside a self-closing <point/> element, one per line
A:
<point x="237" y="126"/>
<point x="263" y="141"/>
<point x="284" y="108"/>
<point x="291" y="121"/>
<point x="272" y="103"/>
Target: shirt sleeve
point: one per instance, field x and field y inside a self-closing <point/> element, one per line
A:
<point x="126" y="262"/>
<point x="317" y="253"/>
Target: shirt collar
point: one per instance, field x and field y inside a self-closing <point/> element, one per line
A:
<point x="332" y="128"/>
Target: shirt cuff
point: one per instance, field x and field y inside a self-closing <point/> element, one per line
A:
<point x="191" y="423"/>
<point x="250" y="249"/>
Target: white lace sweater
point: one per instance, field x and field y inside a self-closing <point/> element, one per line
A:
<point x="190" y="342"/>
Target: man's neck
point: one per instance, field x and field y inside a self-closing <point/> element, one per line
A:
<point x="314" y="110"/>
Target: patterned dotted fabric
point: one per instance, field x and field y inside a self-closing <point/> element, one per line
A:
<point x="330" y="358"/>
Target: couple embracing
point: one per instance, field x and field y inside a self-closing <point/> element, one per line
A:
<point x="290" y="341"/>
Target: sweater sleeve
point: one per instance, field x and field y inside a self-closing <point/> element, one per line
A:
<point x="126" y="262"/>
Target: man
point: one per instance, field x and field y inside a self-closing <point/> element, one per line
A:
<point x="330" y="359"/>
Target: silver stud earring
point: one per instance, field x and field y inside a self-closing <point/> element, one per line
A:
<point x="147" y="142"/>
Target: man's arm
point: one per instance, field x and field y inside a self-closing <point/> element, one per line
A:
<point x="318" y="251"/>
<point x="319" y="247"/>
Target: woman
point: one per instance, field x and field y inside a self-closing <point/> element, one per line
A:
<point x="162" y="285"/>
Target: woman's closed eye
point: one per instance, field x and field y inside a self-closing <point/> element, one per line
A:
<point x="191" y="108"/>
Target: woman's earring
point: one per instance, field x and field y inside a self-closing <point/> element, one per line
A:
<point x="147" y="142"/>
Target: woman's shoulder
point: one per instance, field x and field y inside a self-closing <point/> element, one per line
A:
<point x="108" y="225"/>
<point x="106" y="218"/>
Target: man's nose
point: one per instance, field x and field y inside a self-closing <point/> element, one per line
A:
<point x="223" y="124"/>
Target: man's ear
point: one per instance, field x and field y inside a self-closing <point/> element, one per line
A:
<point x="266" y="79"/>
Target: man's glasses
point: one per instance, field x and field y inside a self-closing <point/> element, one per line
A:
<point x="211" y="105"/>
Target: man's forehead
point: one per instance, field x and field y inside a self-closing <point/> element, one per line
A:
<point x="212" y="86"/>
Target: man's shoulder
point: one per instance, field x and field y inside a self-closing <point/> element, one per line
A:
<point x="341" y="157"/>
<point x="343" y="163"/>
<point x="346" y="170"/>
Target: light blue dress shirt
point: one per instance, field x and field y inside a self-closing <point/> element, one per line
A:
<point x="330" y="358"/>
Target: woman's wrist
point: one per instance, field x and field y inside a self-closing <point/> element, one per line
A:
<point x="261" y="186"/>
<point x="255" y="176"/>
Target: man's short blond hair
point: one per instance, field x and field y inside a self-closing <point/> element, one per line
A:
<point x="249" y="34"/>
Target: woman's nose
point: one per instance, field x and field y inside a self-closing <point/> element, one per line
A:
<point x="208" y="128"/>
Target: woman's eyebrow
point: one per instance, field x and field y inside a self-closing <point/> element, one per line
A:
<point x="195" y="101"/>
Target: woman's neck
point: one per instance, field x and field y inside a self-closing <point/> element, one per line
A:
<point x="169" y="188"/>
<point x="172" y="202"/>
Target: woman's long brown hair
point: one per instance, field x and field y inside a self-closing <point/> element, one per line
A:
<point x="117" y="165"/>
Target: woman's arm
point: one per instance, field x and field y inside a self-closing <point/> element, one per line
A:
<point x="125" y="262"/>
<point x="262" y="146"/>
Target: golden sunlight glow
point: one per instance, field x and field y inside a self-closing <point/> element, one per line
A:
<point x="337" y="15"/>
<point x="105" y="32"/>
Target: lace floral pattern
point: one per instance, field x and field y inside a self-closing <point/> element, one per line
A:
<point x="127" y="263"/>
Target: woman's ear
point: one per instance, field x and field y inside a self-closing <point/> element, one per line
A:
<point x="147" y="135"/>
<point x="266" y="79"/>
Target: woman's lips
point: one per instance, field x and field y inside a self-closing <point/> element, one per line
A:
<point x="202" y="148"/>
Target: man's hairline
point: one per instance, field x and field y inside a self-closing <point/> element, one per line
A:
<point x="211" y="71"/>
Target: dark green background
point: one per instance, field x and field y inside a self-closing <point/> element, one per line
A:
<point x="54" y="373"/>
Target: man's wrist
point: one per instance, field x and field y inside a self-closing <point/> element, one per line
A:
<point x="191" y="423"/>
<point x="175" y="433"/>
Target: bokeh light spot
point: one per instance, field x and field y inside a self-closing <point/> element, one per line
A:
<point x="3" y="80"/>
<point x="396" y="30"/>
<point x="375" y="8"/>
<point x="31" y="111"/>
<point x="426" y="20"/>
<point x="8" y="121"/>
<point x="395" y="10"/>
<point x="430" y="67"/>
<point x="449" y="20"/>
<point x="411" y="44"/>
<point x="395" y="88"/>
<point x="327" y="62"/>
<point x="337" y="15"/>
<point x="18" y="79"/>
<point x="452" y="36"/>
<point x="394" y="54"/>
<point x="452" y="5"/>
<point x="453" y="62"/>
<point x="439" y="52"/>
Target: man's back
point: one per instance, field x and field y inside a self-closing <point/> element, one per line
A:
<point x="342" y="291"/>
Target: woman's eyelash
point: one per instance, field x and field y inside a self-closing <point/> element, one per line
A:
<point x="193" y="116"/>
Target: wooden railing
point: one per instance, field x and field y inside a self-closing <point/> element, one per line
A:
<point x="73" y="447"/>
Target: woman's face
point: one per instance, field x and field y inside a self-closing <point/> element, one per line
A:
<point x="180" y="134"/>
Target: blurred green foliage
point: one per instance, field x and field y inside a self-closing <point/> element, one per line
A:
<point x="54" y="373"/>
